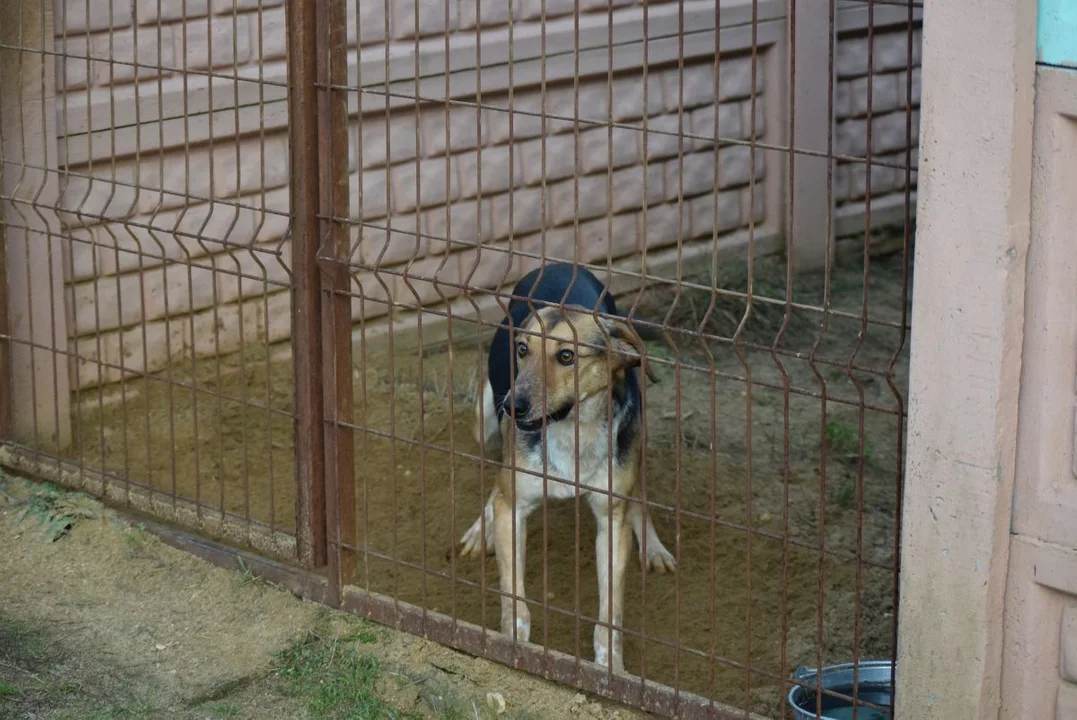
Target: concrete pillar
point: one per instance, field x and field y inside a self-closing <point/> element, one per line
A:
<point x="34" y="249"/>
<point x="968" y="311"/>
<point x="808" y="232"/>
<point x="1040" y="662"/>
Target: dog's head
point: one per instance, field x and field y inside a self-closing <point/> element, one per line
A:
<point x="553" y="348"/>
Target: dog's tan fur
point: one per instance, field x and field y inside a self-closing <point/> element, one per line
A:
<point x="550" y="384"/>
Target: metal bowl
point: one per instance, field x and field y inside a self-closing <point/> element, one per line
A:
<point x="873" y="685"/>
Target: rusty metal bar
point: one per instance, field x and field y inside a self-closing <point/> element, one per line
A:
<point x="7" y="397"/>
<point x="332" y="184"/>
<point x="307" y="368"/>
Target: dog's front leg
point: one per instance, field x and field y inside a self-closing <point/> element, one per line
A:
<point x="509" y="546"/>
<point x="612" y="544"/>
<point x="487" y="433"/>
<point x="657" y="558"/>
<point x="479" y="537"/>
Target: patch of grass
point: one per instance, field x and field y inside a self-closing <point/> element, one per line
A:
<point x="55" y="511"/>
<point x="332" y="678"/>
<point x="845" y="493"/>
<point x="134" y="711"/>
<point x="246" y="577"/>
<point x="41" y="678"/>
<point x="362" y="633"/>
<point x="843" y="440"/>
<point x="26" y="663"/>
<point x="136" y="538"/>
<point x="222" y="709"/>
<point x="21" y="647"/>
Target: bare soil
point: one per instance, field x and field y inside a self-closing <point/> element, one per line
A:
<point x="793" y="431"/>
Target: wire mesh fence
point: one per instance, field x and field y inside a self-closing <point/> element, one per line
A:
<point x="258" y="254"/>
<point x="159" y="192"/>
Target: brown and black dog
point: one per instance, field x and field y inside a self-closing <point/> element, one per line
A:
<point x="565" y="373"/>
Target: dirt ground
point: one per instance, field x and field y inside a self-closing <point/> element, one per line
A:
<point x="722" y="454"/>
<point x="99" y="619"/>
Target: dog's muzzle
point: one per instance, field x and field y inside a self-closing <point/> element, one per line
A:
<point x="523" y="411"/>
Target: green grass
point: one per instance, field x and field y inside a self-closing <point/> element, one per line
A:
<point x="222" y="710"/>
<point x="246" y="576"/>
<point x="134" y="711"/>
<point x="55" y="511"/>
<point x="21" y="647"/>
<point x="843" y="440"/>
<point x="845" y="493"/>
<point x="332" y="677"/>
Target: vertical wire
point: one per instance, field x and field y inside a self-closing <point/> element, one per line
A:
<point x="712" y="560"/>
<point x="861" y="411"/>
<point x="135" y="207"/>
<point x="790" y="255"/>
<point x="819" y="377"/>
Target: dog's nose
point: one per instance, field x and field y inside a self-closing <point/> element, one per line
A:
<point x="522" y="406"/>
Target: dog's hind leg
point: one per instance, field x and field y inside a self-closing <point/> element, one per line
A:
<point x="658" y="559"/>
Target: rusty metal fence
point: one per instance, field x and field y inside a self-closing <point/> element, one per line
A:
<point x="256" y="252"/>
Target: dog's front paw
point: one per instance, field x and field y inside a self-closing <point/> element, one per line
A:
<point x="472" y="543"/>
<point x="518" y="627"/>
<point x="658" y="560"/>
<point x="607" y="654"/>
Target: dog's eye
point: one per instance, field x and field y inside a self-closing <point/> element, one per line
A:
<point x="565" y="357"/>
<point x="521" y="349"/>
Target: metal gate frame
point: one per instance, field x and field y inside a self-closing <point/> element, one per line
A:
<point x="322" y="351"/>
<point x="324" y="403"/>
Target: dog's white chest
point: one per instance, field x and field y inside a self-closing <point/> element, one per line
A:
<point x="564" y="466"/>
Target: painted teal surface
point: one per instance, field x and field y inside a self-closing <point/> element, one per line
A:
<point x="1056" y="32"/>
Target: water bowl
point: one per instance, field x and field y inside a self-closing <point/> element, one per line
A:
<point x="873" y="685"/>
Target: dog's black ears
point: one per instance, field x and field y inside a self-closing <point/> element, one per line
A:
<point x="646" y="330"/>
<point x="627" y="342"/>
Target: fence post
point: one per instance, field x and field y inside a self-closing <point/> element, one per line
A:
<point x="38" y="397"/>
<point x="973" y="220"/>
<point x="7" y="397"/>
<point x="811" y="123"/>
<point x="307" y="365"/>
<point x="332" y="72"/>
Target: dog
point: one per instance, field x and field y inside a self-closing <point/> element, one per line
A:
<point x="580" y="372"/>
